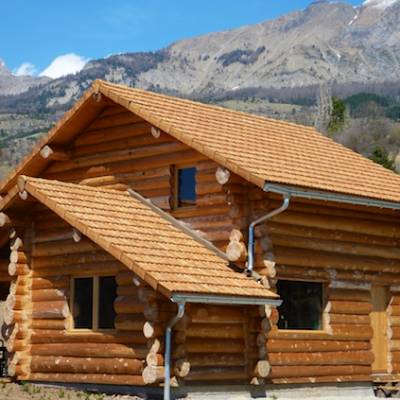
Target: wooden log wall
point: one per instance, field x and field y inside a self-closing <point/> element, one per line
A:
<point x="219" y="344"/>
<point x="393" y="331"/>
<point x="348" y="249"/>
<point x="116" y="356"/>
<point x="119" y="151"/>
<point x="345" y="247"/>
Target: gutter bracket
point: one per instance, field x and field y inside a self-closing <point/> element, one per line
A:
<point x="167" y="352"/>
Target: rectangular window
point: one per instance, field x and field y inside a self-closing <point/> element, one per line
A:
<point x="92" y="302"/>
<point x="302" y="305"/>
<point x="185" y="187"/>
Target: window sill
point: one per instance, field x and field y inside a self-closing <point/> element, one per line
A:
<point x="301" y="333"/>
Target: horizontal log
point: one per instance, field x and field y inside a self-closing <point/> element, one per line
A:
<point x="227" y="331"/>
<point x="154" y="359"/>
<point x="320" y="370"/>
<point x="59" y="248"/>
<point x="153" y="374"/>
<point x="18" y="269"/>
<point x="18" y="257"/>
<point x="311" y="346"/>
<point x="353" y="225"/>
<point x="49" y="295"/>
<point x="323" y="379"/>
<point x="182" y="367"/>
<point x="55" y="153"/>
<point x="393" y="310"/>
<point x="348" y="307"/>
<point x="337" y="332"/>
<point x="72" y="259"/>
<point x="348" y="319"/>
<point x="322" y="358"/>
<point x="57" y="364"/>
<point x="194" y="345"/>
<point x="129" y="322"/>
<point x="57" y="324"/>
<point x="87" y="349"/>
<point x="51" y="336"/>
<point x="336" y="246"/>
<point x="217" y="374"/>
<point x="129" y="305"/>
<point x="77" y="270"/>
<point x="214" y="314"/>
<point x="349" y="295"/>
<point x="101" y="379"/>
<point x="50" y="310"/>
<point x="216" y="359"/>
<point x="322" y="259"/>
<point x="58" y="282"/>
<point x="127" y="155"/>
<point x="262" y="368"/>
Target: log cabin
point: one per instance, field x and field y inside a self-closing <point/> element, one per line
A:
<point x="154" y="241"/>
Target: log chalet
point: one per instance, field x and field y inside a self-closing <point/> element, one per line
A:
<point x="150" y="240"/>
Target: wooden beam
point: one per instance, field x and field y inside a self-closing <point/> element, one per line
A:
<point x="54" y="153"/>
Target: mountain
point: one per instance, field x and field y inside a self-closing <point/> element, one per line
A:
<point x="284" y="60"/>
<point x="12" y="85"/>
<point x="327" y="42"/>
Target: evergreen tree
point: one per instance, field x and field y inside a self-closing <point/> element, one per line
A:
<point x="381" y="156"/>
<point x="338" y="115"/>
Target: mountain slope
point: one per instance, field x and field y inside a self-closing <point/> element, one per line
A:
<point x="284" y="60"/>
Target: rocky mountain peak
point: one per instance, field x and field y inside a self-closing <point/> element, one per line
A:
<point x="380" y="4"/>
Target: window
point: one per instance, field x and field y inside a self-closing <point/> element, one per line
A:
<point x="185" y="187"/>
<point x="92" y="302"/>
<point x="302" y="305"/>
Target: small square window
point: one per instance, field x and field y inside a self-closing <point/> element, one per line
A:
<point x="186" y="187"/>
<point x="302" y="305"/>
<point x="92" y="302"/>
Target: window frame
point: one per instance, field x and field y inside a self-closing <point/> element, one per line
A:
<point x="324" y="324"/>
<point x="95" y="305"/>
<point x="175" y="188"/>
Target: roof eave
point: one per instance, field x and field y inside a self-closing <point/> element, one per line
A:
<point x="224" y="299"/>
<point x="311" y="194"/>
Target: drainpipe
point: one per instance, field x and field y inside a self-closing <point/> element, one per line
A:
<point x="250" y="248"/>
<point x="167" y="351"/>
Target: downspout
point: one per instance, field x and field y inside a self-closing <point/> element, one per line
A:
<point x="167" y="351"/>
<point x="250" y="248"/>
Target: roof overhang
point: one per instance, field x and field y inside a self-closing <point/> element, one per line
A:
<point x="294" y="191"/>
<point x="224" y="300"/>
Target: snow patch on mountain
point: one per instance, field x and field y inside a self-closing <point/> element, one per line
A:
<point x="381" y="4"/>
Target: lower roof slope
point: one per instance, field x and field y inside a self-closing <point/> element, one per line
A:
<point x="148" y="242"/>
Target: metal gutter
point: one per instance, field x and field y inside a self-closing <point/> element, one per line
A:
<point x="167" y="351"/>
<point x="328" y="196"/>
<point x="221" y="299"/>
<point x="250" y="247"/>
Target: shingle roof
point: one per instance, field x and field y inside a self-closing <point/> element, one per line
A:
<point x="261" y="150"/>
<point x="142" y="238"/>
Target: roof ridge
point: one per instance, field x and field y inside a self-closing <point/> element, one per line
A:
<point x="102" y="83"/>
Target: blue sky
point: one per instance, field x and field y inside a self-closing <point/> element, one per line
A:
<point x="37" y="32"/>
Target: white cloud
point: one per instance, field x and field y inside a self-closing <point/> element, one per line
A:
<point x="64" y="65"/>
<point x="25" y="69"/>
<point x="381" y="4"/>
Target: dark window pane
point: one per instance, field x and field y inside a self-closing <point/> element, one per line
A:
<point x="83" y="303"/>
<point x="302" y="305"/>
<point x="186" y="186"/>
<point x="108" y="293"/>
